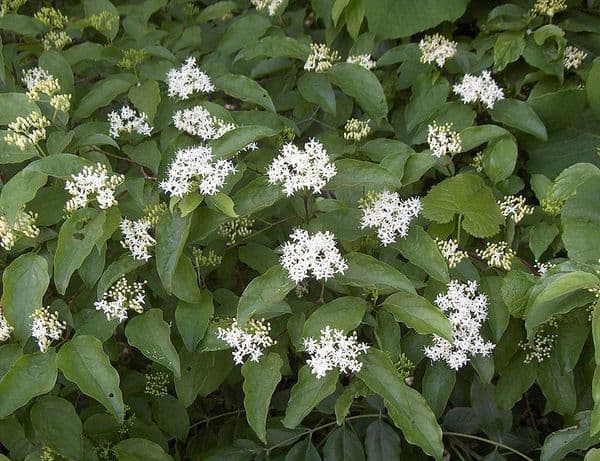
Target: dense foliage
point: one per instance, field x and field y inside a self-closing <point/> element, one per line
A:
<point x="300" y="230"/>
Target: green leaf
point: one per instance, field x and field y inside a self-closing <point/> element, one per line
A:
<point x="365" y="271"/>
<point x="509" y="47"/>
<point x="101" y="94"/>
<point x="541" y="237"/>
<point x="558" y="386"/>
<point x="575" y="437"/>
<point x="263" y="292"/>
<point x="354" y="174"/>
<point x="275" y="47"/>
<point x="92" y="7"/>
<point x="171" y="234"/>
<point x="146" y="98"/>
<point x="140" y="449"/>
<point x="235" y="140"/>
<point x="427" y="97"/>
<point x="171" y="416"/>
<point x="255" y="196"/>
<point x="343" y="313"/>
<point x="223" y="203"/>
<point x="57" y="426"/>
<point x="409" y="17"/>
<point x="581" y="222"/>
<point x="83" y="362"/>
<point x="10" y="153"/>
<point x="382" y="442"/>
<point x="59" y="165"/>
<point x="303" y="451"/>
<point x="245" y="89"/>
<point x="192" y="319"/>
<point x="151" y="335"/>
<point x="260" y="380"/>
<point x="408" y="409"/>
<point x="119" y="267"/>
<point x="515" y="379"/>
<point x="185" y="282"/>
<point x="362" y="85"/>
<point x="418" y="313"/>
<point x="466" y="195"/>
<point x="244" y="30"/>
<point x="474" y="136"/>
<point x="500" y="158"/>
<point x="15" y="105"/>
<point x="76" y="239"/>
<point x="24" y="283"/>
<point x="438" y="383"/>
<point x="19" y="190"/>
<point x="28" y="377"/>
<point x="592" y="89"/>
<point x="315" y="88"/>
<point x="422" y="251"/>
<point x="343" y="445"/>
<point x="518" y="114"/>
<point x="306" y="394"/>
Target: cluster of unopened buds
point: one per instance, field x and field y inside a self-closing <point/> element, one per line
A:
<point x="436" y="48"/>
<point x="497" y="254"/>
<point x="321" y="58"/>
<point x="443" y="140"/>
<point x="247" y="341"/>
<point x="121" y="298"/>
<point x="356" y="130"/>
<point x="236" y="229"/>
<point x="23" y="225"/>
<point x="157" y="383"/>
<point x="451" y="251"/>
<point x="363" y="60"/>
<point x="26" y="131"/>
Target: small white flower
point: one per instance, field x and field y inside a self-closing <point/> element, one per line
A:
<point x="333" y="349"/>
<point x="497" y="254"/>
<point x="574" y="57"/>
<point x="5" y="328"/>
<point x="197" y="121"/>
<point x="273" y="6"/>
<point x="299" y="169"/>
<point x="442" y="139"/>
<point x="92" y="181"/>
<point x="188" y="79"/>
<point x="436" y="48"/>
<point x="514" y="206"/>
<point x="480" y="88"/>
<point x="543" y="268"/>
<point x="317" y="255"/>
<point x="196" y="166"/>
<point x="120" y="298"/>
<point x="355" y="129"/>
<point x="25" y="131"/>
<point x="363" y="60"/>
<point x="248" y="341"/>
<point x="45" y="327"/>
<point x="127" y="120"/>
<point x="451" y="252"/>
<point x="466" y="310"/>
<point x="321" y="58"/>
<point x="24" y="225"/>
<point x="391" y="215"/>
<point x="136" y="238"/>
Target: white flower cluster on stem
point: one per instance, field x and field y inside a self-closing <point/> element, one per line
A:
<point x="120" y="298"/>
<point x="355" y="130"/>
<point x="197" y="121"/>
<point x="316" y="255"/>
<point x="127" y="120"/>
<point x="25" y="131"/>
<point x="479" y="88"/>
<point x="514" y="206"/>
<point x="136" y="237"/>
<point x="196" y="166"/>
<point x="321" y="58"/>
<point x="45" y="327"/>
<point x="466" y="310"/>
<point x="187" y="80"/>
<point x="24" y="225"/>
<point x="442" y="139"/>
<point x="391" y="215"/>
<point x="497" y="254"/>
<point x="574" y="57"/>
<point x="92" y="182"/>
<point x="436" y="48"/>
<point x="333" y="349"/>
<point x="451" y="251"/>
<point x="248" y="341"/>
<point x="5" y="328"/>
<point x="298" y="169"/>
<point x="272" y="6"/>
<point x="363" y="60"/>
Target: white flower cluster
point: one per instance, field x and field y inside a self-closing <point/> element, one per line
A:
<point x="355" y="129"/>
<point x="480" y="88"/>
<point x="39" y="81"/>
<point x="363" y="60"/>
<point x="197" y="121"/>
<point x="25" y="131"/>
<point x="542" y="268"/>
<point x="45" y="327"/>
<point x="321" y="58"/>
<point x="333" y="349"/>
<point x="442" y="139"/>
<point x="24" y="225"/>
<point x="5" y="328"/>
<point x="136" y="237"/>
<point x="497" y="254"/>
<point x="92" y="181"/>
<point x="542" y="344"/>
<point x="127" y="120"/>
<point x="120" y="298"/>
<point x="273" y="6"/>
<point x="196" y="165"/>
<point x="436" y="48"/>
<point x="317" y="255"/>
<point x="299" y="169"/>
<point x="515" y="207"/>
<point x="389" y="214"/>
<point x="574" y="57"/>
<point x="549" y="7"/>
<point x="248" y="341"/>
<point x="188" y="79"/>
<point x="466" y="310"/>
<point x="451" y="251"/>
